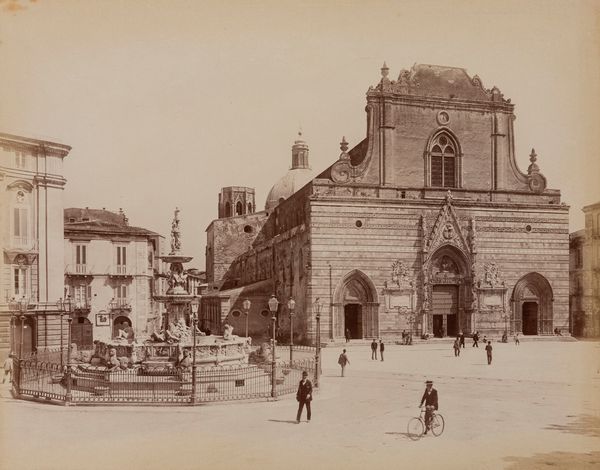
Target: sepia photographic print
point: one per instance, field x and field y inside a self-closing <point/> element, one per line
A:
<point x="290" y="235"/>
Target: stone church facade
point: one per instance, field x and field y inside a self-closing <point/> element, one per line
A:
<point x="427" y="225"/>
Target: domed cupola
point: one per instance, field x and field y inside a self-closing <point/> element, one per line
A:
<point x="296" y="177"/>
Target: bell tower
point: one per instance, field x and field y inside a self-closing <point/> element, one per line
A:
<point x="236" y="200"/>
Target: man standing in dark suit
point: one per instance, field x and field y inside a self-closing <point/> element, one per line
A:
<point x="381" y="349"/>
<point x="374" y="349"/>
<point x="304" y="397"/>
<point x="430" y="398"/>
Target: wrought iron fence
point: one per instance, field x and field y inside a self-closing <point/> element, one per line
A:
<point x="40" y="380"/>
<point x="86" y="384"/>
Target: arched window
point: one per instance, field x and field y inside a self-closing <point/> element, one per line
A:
<point x="249" y="208"/>
<point x="239" y="209"/>
<point x="443" y="162"/>
<point x="227" y="209"/>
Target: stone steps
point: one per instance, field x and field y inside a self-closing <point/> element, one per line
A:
<point x="447" y="340"/>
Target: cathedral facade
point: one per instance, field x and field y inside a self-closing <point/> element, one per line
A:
<point x="427" y="225"/>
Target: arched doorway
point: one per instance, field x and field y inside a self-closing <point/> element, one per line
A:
<point x="448" y="285"/>
<point x="82" y="333"/>
<point x="532" y="305"/>
<point x="356" y="307"/>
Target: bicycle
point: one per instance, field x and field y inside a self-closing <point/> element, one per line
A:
<point x="416" y="426"/>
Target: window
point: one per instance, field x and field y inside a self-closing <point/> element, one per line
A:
<point x="227" y="209"/>
<point x="249" y="208"/>
<point x="82" y="295"/>
<point x="20" y="160"/>
<point x="21" y="221"/>
<point x="80" y="259"/>
<point x="120" y="293"/>
<point x="239" y="209"/>
<point x="121" y="259"/>
<point x="20" y="282"/>
<point x="579" y="257"/>
<point x="443" y="162"/>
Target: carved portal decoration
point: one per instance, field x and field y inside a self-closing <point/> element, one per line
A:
<point x="448" y="257"/>
<point x="491" y="290"/>
<point x="446" y="231"/>
<point x="491" y="275"/>
<point x="400" y="293"/>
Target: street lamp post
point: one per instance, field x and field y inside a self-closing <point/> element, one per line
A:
<point x="194" y="305"/>
<point x="246" y="306"/>
<point x="273" y="304"/>
<point x="61" y="312"/>
<point x="291" y="305"/>
<point x="505" y="318"/>
<point x="68" y="394"/>
<point x="63" y="307"/>
<point x="317" y="311"/>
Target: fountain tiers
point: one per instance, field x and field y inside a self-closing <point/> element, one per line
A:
<point x="210" y="351"/>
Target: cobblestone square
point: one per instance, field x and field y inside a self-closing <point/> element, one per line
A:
<point x="536" y="405"/>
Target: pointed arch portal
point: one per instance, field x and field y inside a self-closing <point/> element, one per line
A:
<point x="356" y="307"/>
<point x="532" y="303"/>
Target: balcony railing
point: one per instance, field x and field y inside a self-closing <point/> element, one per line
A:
<point x="79" y="269"/>
<point x="23" y="243"/>
<point x="119" y="270"/>
<point x="119" y="304"/>
<point x="82" y="304"/>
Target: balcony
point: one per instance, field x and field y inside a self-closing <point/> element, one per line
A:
<point x="82" y="305"/>
<point x="120" y="270"/>
<point x="79" y="270"/>
<point x="120" y="304"/>
<point x="21" y="247"/>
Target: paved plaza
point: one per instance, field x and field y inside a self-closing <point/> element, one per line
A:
<point x="536" y="406"/>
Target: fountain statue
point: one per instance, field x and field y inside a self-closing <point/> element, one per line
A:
<point x="173" y="343"/>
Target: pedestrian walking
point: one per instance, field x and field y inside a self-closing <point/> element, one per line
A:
<point x="381" y="349"/>
<point x="304" y="397"/>
<point x="8" y="369"/>
<point x="343" y="361"/>
<point x="457" y="347"/>
<point x="488" y="350"/>
<point x="462" y="339"/>
<point x="374" y="349"/>
<point x="348" y="336"/>
<point x="517" y="342"/>
<point x="475" y="340"/>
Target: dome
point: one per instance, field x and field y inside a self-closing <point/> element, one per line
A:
<point x="296" y="177"/>
<point x="291" y="182"/>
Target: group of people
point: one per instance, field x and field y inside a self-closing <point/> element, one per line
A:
<point x="374" y="348"/>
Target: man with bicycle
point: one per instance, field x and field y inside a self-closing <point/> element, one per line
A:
<point x="430" y="398"/>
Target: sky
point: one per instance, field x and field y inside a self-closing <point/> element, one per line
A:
<point x="166" y="102"/>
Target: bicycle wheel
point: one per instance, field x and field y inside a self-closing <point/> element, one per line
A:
<point x="415" y="428"/>
<point x="437" y="425"/>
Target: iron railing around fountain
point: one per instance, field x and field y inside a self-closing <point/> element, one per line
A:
<point x="83" y="384"/>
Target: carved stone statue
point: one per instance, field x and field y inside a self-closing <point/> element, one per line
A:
<point x="227" y="331"/>
<point x="175" y="233"/>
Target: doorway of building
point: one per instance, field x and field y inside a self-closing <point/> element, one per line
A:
<point x="353" y="320"/>
<point x="445" y="305"/>
<point x="530" y="318"/>
<point x="452" y="325"/>
<point x="28" y="336"/>
<point x="438" y="326"/>
<point x="81" y="333"/>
